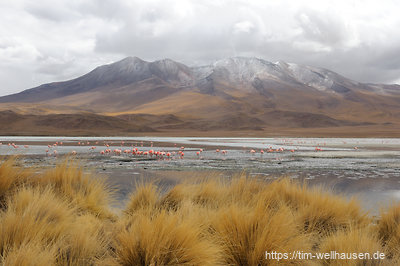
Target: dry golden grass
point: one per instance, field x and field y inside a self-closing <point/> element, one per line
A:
<point x="389" y="230"/>
<point x="63" y="217"/>
<point x="165" y="239"/>
<point x="89" y="195"/>
<point x="351" y="242"/>
<point x="10" y="178"/>
<point x="32" y="254"/>
<point x="39" y="217"/>
<point x="246" y="234"/>
<point x="145" y="198"/>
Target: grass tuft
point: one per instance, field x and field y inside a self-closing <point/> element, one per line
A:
<point x="87" y="194"/>
<point x="165" y="240"/>
<point x="62" y="216"/>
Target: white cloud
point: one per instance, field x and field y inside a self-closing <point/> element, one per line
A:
<point x="243" y="26"/>
<point x="43" y="41"/>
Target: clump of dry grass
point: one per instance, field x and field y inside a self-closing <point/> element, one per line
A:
<point x="174" y="198"/>
<point x="318" y="211"/>
<point x="34" y="215"/>
<point x="62" y="216"/>
<point x="165" y="239"/>
<point x="38" y="218"/>
<point x="246" y="234"/>
<point x="145" y="198"/>
<point x="247" y="217"/>
<point x="88" y="242"/>
<point x="33" y="254"/>
<point x="350" y="243"/>
<point x="11" y="177"/>
<point x="87" y="194"/>
<point x="389" y="230"/>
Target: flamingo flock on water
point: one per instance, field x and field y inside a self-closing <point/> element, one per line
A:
<point x="160" y="154"/>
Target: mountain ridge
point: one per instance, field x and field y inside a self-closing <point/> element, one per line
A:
<point x="237" y="93"/>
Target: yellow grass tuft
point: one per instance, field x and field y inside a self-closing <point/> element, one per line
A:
<point x="145" y="198"/>
<point x="165" y="240"/>
<point x="173" y="199"/>
<point x="318" y="211"/>
<point x="11" y="177"/>
<point x="389" y="230"/>
<point x="33" y="215"/>
<point x="89" y="195"/>
<point x="62" y="216"/>
<point x="247" y="234"/>
<point x="88" y="242"/>
<point x="32" y="254"/>
<point x="350" y="243"/>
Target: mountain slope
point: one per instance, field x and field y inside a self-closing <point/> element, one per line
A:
<point x="231" y="94"/>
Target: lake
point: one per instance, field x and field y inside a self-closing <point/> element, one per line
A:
<point x="368" y="168"/>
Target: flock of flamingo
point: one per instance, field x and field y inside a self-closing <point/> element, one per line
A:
<point x="160" y="154"/>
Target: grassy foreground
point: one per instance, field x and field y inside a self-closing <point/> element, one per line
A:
<point x="62" y="217"/>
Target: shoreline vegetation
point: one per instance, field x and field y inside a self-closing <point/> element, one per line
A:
<point x="62" y="216"/>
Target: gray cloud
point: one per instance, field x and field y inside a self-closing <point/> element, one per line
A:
<point x="44" y="41"/>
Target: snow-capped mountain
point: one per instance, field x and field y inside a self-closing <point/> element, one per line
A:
<point x="235" y="92"/>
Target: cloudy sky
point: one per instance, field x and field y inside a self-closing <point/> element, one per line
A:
<point x="52" y="40"/>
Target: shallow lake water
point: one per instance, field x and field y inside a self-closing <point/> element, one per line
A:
<point x="368" y="168"/>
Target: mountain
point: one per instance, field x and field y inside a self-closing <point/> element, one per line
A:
<point x="239" y="93"/>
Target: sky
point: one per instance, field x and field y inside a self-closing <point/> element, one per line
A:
<point x="53" y="40"/>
